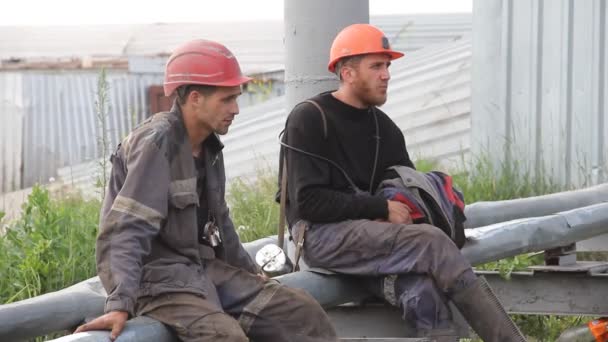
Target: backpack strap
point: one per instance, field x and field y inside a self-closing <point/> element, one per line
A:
<point x="283" y="204"/>
<point x="322" y="112"/>
<point x="283" y="198"/>
<point x="299" y="230"/>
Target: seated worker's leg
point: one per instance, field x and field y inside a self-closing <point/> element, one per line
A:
<point x="192" y="318"/>
<point x="486" y="315"/>
<point x="268" y="311"/>
<point x="423" y="305"/>
<point x="454" y="276"/>
<point x="371" y="248"/>
<point x="421" y="301"/>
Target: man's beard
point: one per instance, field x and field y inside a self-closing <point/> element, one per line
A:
<point x="365" y="93"/>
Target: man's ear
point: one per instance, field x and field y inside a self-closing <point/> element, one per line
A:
<point x="195" y="97"/>
<point x="348" y="73"/>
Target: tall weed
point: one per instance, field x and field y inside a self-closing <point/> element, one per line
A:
<point x="51" y="246"/>
<point x="253" y="209"/>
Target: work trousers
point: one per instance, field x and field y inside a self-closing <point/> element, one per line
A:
<point x="240" y="306"/>
<point x="415" y="267"/>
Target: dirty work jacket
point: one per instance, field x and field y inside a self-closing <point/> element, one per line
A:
<point x="434" y="195"/>
<point x="148" y="241"/>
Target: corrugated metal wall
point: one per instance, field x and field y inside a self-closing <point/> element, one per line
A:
<point x="412" y="32"/>
<point x="539" y="86"/>
<point x="60" y="127"/>
<point x="11" y="116"/>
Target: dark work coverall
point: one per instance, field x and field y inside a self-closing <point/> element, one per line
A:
<point x="150" y="260"/>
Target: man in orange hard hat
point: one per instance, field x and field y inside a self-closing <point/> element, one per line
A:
<point x="338" y="147"/>
<point x="167" y="247"/>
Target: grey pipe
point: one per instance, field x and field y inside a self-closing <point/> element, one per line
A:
<point x="481" y="214"/>
<point x="516" y="237"/>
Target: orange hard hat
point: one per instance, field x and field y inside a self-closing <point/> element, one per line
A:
<point x="202" y="62"/>
<point x="359" y="39"/>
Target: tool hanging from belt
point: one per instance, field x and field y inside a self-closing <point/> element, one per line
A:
<point x="210" y="234"/>
<point x="299" y="229"/>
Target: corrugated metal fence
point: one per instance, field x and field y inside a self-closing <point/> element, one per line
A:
<point x="539" y="86"/>
<point x="59" y="122"/>
<point x="11" y="117"/>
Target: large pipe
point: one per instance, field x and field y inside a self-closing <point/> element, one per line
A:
<point x="52" y="312"/>
<point x="502" y="240"/>
<point x="142" y="329"/>
<point x="481" y="214"/>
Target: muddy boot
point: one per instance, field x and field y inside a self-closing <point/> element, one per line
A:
<point x="485" y="314"/>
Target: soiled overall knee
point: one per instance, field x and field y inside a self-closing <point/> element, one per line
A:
<point x="215" y="327"/>
<point x="291" y="315"/>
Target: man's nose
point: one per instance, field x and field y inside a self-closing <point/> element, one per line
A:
<point x="386" y="75"/>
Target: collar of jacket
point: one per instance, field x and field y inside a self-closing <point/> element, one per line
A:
<point x="212" y="143"/>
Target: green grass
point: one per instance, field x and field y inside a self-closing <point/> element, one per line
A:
<point x="483" y="181"/>
<point x="253" y="210"/>
<point x="51" y="246"/>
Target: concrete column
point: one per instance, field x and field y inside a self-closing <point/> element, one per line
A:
<point x="310" y="27"/>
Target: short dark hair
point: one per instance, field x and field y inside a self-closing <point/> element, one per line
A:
<point x="352" y="61"/>
<point x="185" y="90"/>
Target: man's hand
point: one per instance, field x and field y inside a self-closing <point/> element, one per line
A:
<point x="263" y="275"/>
<point x="114" y="321"/>
<point x="398" y="213"/>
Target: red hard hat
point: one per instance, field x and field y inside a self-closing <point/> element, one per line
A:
<point x="202" y="62"/>
<point x="359" y="39"/>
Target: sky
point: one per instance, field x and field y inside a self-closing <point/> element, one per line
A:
<point x="81" y="12"/>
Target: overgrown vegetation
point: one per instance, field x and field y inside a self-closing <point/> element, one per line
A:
<point x="484" y="181"/>
<point x="51" y="246"/>
<point x="103" y="140"/>
<point x="253" y="209"/>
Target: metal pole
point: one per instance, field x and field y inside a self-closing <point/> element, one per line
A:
<point x="310" y="27"/>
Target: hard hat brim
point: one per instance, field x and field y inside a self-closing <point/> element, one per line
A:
<point x="169" y="87"/>
<point x="391" y="53"/>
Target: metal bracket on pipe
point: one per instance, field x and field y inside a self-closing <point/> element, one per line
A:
<point x="561" y="256"/>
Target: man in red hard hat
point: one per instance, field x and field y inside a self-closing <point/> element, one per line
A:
<point x="339" y="148"/>
<point x="167" y="247"/>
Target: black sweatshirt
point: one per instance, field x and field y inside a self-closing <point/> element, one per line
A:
<point x="318" y="191"/>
